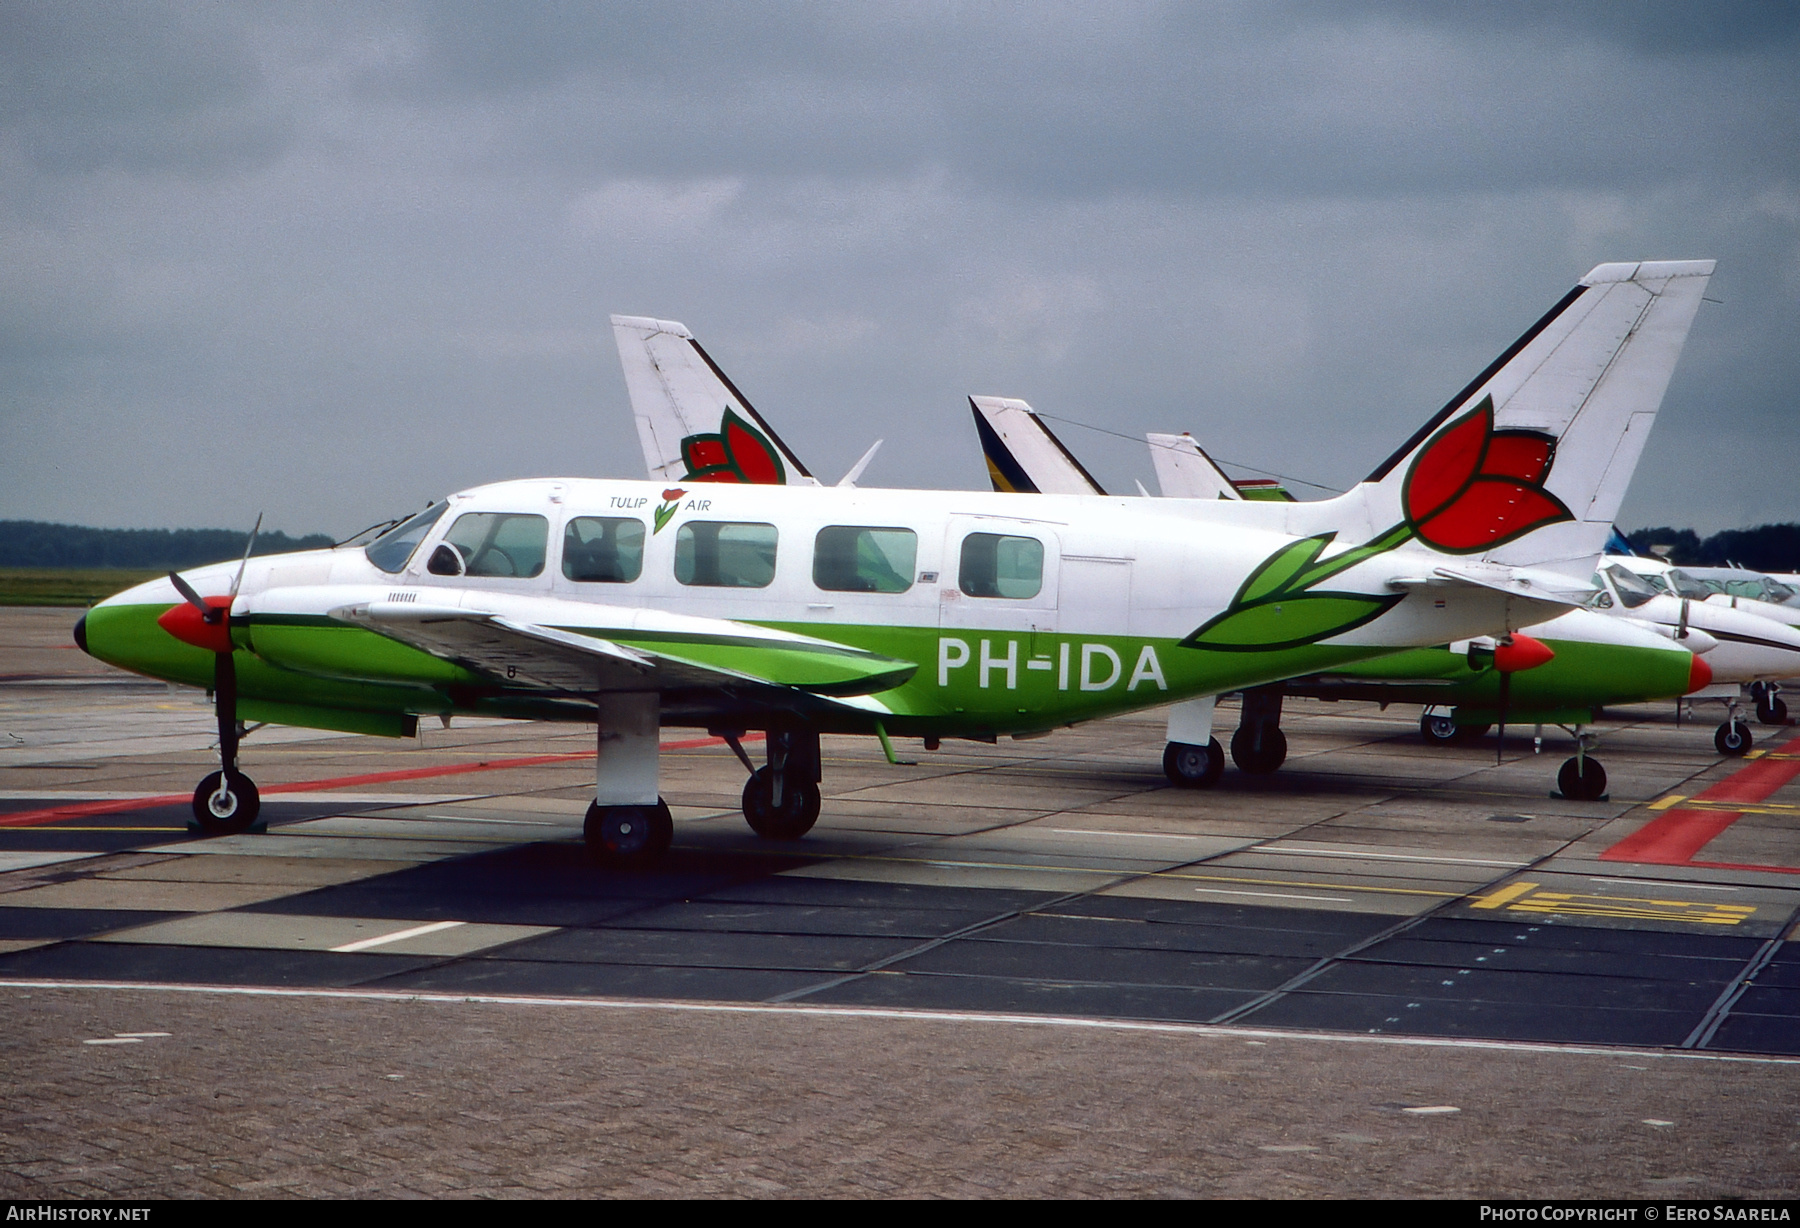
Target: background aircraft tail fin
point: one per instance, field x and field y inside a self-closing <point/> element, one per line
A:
<point x="1527" y="465"/>
<point x="1185" y="471"/>
<point x="1024" y="456"/>
<point x="693" y="423"/>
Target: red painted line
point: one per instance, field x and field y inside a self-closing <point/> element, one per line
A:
<point x="1674" y="837"/>
<point x="77" y="810"/>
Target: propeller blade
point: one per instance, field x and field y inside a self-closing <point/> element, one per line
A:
<point x="248" y="547"/>
<point x="187" y="591"/>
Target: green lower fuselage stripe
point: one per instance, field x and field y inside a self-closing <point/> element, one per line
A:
<point x="963" y="679"/>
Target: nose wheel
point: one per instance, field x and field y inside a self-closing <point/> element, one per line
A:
<point x="226" y="803"/>
<point x="1733" y="738"/>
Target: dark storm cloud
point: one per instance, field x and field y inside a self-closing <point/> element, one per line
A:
<point x="328" y="260"/>
<point x="1322" y="98"/>
<point x="94" y="86"/>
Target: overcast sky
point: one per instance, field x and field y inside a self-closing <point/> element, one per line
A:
<point x="330" y="262"/>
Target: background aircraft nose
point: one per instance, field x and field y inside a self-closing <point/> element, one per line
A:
<point x="81" y="634"/>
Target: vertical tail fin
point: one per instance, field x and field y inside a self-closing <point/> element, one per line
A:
<point x="1024" y="456"/>
<point x="693" y="423"/>
<point x="1527" y="465"/>
<point x="1185" y="471"/>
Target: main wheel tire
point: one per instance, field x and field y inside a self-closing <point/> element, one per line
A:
<point x="1194" y="767"/>
<point x="1772" y="711"/>
<point x="1259" y="760"/>
<point x="1733" y="738"/>
<point x="1438" y="730"/>
<point x="1582" y="780"/>
<point x="230" y="812"/>
<point x="628" y="835"/>
<point x="798" y="811"/>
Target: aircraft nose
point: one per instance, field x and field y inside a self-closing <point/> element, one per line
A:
<point x="81" y="634"/>
<point x="1699" y="675"/>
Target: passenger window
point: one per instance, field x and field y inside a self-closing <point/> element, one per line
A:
<point x="725" y="554"/>
<point x="852" y="559"/>
<point x="500" y="543"/>
<point x="603" y="549"/>
<point x="994" y="565"/>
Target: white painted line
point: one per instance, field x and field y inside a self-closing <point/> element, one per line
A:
<point x="1276" y="895"/>
<point x="397" y="936"/>
<point x="115" y="1040"/>
<point x="684" y="1006"/>
<point x="1359" y="854"/>
<point x="1432" y="1109"/>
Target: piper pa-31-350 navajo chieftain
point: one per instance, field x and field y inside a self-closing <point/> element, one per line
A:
<point x="923" y="613"/>
<point x="1556" y="672"/>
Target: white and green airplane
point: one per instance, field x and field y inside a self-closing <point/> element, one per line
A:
<point x="1554" y="673"/>
<point x="712" y="603"/>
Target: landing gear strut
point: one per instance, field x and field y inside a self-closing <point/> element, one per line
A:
<point x="226" y="802"/>
<point x="781" y="800"/>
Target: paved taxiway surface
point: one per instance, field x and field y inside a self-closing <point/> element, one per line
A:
<point x="453" y="967"/>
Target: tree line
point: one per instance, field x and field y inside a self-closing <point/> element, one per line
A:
<point x="36" y="543"/>
<point x="1767" y="547"/>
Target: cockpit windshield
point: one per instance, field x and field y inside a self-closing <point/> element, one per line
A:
<point x="1632" y="589"/>
<point x="1686" y="586"/>
<point x="391" y="550"/>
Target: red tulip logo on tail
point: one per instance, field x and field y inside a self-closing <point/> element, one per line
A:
<point x="738" y="453"/>
<point x="1470" y="489"/>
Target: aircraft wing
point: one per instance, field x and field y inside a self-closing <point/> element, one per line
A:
<point x="700" y="655"/>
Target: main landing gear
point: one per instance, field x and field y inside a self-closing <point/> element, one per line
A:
<point x="1193" y="758"/>
<point x="1771" y="708"/>
<point x="781" y="799"/>
<point x="627" y="824"/>
<point x="1259" y="747"/>
<point x="1439" y="728"/>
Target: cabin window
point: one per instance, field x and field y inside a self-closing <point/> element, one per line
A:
<point x="603" y="549"/>
<point x="996" y="565"/>
<point x="852" y="559"/>
<point x="500" y="543"/>
<point x="1632" y="588"/>
<point x="725" y="554"/>
<point x="391" y="550"/>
